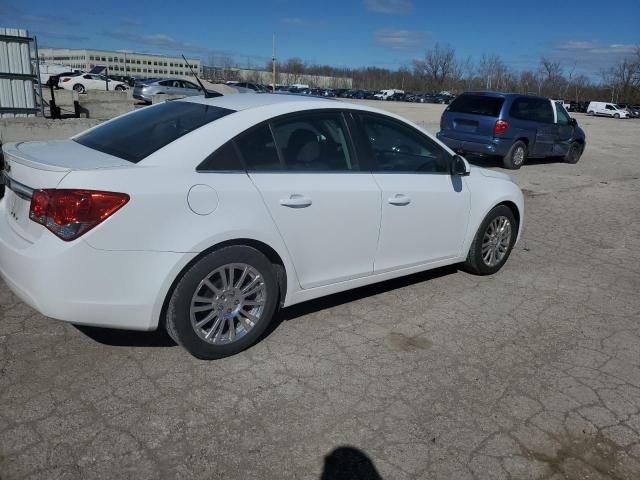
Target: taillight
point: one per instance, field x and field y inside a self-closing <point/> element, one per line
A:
<point x="71" y="213"/>
<point x="501" y="127"/>
<point x="66" y="79"/>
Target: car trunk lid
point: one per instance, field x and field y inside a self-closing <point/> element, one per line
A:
<point x="30" y="166"/>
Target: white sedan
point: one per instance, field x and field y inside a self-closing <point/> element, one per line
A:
<point x="204" y="216"/>
<point x="90" y="81"/>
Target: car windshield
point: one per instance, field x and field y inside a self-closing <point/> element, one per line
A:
<point x="137" y="135"/>
<point x="477" y="105"/>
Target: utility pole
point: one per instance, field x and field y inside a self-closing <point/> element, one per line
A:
<point x="273" y="64"/>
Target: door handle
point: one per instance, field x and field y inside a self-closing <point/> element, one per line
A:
<point x="400" y="199"/>
<point x="296" y="201"/>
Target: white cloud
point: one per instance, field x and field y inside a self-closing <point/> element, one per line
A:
<point x="393" y="7"/>
<point x="400" y="39"/>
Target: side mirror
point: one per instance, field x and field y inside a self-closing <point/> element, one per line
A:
<point x="573" y="122"/>
<point x="459" y="166"/>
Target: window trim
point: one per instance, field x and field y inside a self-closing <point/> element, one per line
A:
<point x="368" y="150"/>
<point x="349" y="138"/>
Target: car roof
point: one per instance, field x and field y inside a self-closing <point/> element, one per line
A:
<point x="246" y="101"/>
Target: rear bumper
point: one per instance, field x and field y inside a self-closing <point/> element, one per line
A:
<point x="77" y="283"/>
<point x="494" y="146"/>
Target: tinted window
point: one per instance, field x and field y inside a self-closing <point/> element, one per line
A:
<point x="224" y="158"/>
<point x="532" y="109"/>
<point x="563" y="116"/>
<point x="258" y="149"/>
<point x="477" y="105"/>
<point x="399" y="148"/>
<point x="316" y="141"/>
<point x="137" y="135"/>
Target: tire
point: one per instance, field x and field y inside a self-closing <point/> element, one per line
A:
<point x="590" y="113"/>
<point x="476" y="262"/>
<point x="516" y="156"/>
<point x="78" y="87"/>
<point x="119" y="88"/>
<point x="616" y="115"/>
<point x="181" y="321"/>
<point x="574" y="153"/>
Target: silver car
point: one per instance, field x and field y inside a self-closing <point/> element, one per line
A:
<point x="145" y="89"/>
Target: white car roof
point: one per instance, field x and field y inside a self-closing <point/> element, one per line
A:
<point x="246" y="101"/>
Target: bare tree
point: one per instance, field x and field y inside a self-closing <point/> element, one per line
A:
<point x="438" y="67"/>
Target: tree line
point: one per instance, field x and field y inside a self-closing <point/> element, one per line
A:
<point x="440" y="69"/>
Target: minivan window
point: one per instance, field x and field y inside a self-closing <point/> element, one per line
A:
<point x="477" y="105"/>
<point x="139" y="134"/>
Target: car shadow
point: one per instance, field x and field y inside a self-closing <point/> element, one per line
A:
<point x="159" y="338"/>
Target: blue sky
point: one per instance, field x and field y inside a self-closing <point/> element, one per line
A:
<point x="587" y="34"/>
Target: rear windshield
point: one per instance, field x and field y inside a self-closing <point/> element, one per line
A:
<point x="136" y="136"/>
<point x="477" y="105"/>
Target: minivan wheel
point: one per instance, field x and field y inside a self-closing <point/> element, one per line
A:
<point x="223" y="303"/>
<point x="574" y="153"/>
<point x="493" y="242"/>
<point x="516" y="156"/>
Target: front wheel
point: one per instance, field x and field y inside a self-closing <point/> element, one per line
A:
<point x="616" y="115"/>
<point x="493" y="242"/>
<point x="223" y="303"/>
<point x="120" y="88"/>
<point x="516" y="156"/>
<point x="574" y="153"/>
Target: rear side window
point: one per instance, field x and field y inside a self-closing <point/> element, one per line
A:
<point x="477" y="105"/>
<point x="136" y="136"/>
<point x="223" y="159"/>
<point x="258" y="149"/>
<point x="532" y="109"/>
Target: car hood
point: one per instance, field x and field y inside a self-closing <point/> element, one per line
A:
<point x="491" y="173"/>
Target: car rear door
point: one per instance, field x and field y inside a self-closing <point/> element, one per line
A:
<point x="326" y="209"/>
<point x="424" y="208"/>
<point x="565" y="131"/>
<point x="536" y="117"/>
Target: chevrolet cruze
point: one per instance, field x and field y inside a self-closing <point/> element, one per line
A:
<point x="204" y="215"/>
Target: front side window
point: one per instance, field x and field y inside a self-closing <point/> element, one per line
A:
<point x="137" y="135"/>
<point x="314" y="141"/>
<point x="610" y="107"/>
<point x="399" y="148"/>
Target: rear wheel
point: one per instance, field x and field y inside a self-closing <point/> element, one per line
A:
<point x="516" y="156"/>
<point x="223" y="303"/>
<point x="574" y="153"/>
<point x="590" y="113"/>
<point x="120" y="88"/>
<point x="78" y="87"/>
<point x="493" y="242"/>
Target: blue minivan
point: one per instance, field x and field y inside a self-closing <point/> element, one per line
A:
<point x="512" y="126"/>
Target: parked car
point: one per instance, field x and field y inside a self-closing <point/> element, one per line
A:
<point x="386" y="94"/>
<point x="633" y="112"/>
<point x="512" y="126"/>
<point x="204" y="215"/>
<point x="607" y="110"/>
<point x="54" y="80"/>
<point x="144" y="90"/>
<point x="251" y="86"/>
<point x="90" y="81"/>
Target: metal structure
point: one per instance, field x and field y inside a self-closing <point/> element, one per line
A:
<point x="17" y="77"/>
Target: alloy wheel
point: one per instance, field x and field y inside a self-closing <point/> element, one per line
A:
<point x="518" y="156"/>
<point x="496" y="241"/>
<point x="228" y="303"/>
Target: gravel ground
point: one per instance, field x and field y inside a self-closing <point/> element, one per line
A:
<point x="533" y="373"/>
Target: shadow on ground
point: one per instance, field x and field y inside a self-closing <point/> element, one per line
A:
<point x="159" y="338"/>
<point x="348" y="463"/>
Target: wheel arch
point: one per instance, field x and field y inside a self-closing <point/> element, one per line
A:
<point x="268" y="251"/>
<point x="514" y="209"/>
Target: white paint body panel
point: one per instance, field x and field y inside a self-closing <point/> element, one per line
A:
<point x="120" y="273"/>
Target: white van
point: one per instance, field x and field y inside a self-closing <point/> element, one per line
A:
<point x="607" y="109"/>
<point x="385" y="94"/>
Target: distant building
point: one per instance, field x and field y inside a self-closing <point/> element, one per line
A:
<point x="223" y="74"/>
<point x="141" y="65"/>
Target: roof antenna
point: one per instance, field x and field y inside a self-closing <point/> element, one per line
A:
<point x="207" y="93"/>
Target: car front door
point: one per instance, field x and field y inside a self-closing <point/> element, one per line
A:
<point x="326" y="209"/>
<point x="566" y="131"/>
<point x="424" y="208"/>
<point x="189" y="88"/>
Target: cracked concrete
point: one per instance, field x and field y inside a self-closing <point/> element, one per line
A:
<point x="533" y="373"/>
